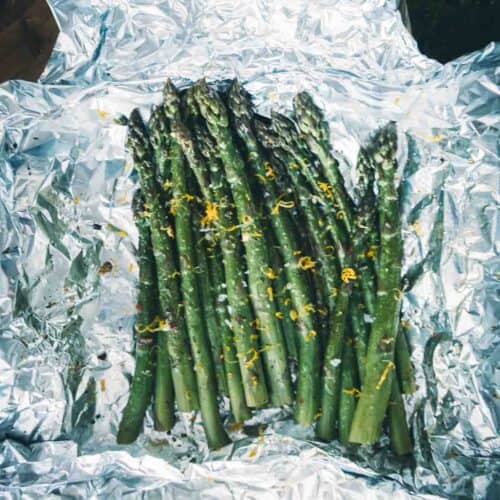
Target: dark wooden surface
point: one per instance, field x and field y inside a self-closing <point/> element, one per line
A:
<point x="27" y="35"/>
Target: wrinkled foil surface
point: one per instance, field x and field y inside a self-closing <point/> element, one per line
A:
<point x="65" y="193"/>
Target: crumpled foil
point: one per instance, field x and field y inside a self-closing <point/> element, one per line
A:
<point x="65" y="192"/>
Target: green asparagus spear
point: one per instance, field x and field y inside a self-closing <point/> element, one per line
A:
<point x="404" y="367"/>
<point x="297" y="263"/>
<point x="159" y="135"/>
<point x="360" y="329"/>
<point x="366" y="240"/>
<point x="327" y="426"/>
<point x="379" y="368"/>
<point x="289" y="140"/>
<point x="365" y="235"/>
<point x="284" y="303"/>
<point x="326" y="429"/>
<point x="221" y="215"/>
<point x="398" y="427"/>
<point x="164" y="118"/>
<point x="236" y="392"/>
<point x="349" y="391"/>
<point x="316" y="132"/>
<point x="173" y="338"/>
<point x="180" y="205"/>
<point x="214" y="112"/>
<point x="141" y="389"/>
<point x="317" y="229"/>
<point x="210" y="314"/>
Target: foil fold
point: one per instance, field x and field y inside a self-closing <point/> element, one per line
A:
<point x="67" y="248"/>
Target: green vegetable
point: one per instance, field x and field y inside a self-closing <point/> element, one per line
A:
<point x="349" y="391"/>
<point x="239" y="408"/>
<point x="288" y="140"/>
<point x="298" y="264"/>
<point x="399" y="433"/>
<point x="257" y="257"/>
<point x="141" y="389"/>
<point x="315" y="129"/>
<point x="208" y="300"/>
<point x="379" y="368"/>
<point x="265" y="266"/>
<point x="221" y="215"/>
<point x="180" y="206"/>
<point x="173" y="337"/>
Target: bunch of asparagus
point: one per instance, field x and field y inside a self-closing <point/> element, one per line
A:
<point x="261" y="278"/>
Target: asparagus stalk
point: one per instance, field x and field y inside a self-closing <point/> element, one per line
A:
<point x="366" y="241"/>
<point x="159" y="135"/>
<point x="316" y="132"/>
<point x="205" y="373"/>
<point x="141" y="389"/>
<point x="297" y="263"/>
<point x="349" y="391"/>
<point x="234" y="381"/>
<point x="314" y="218"/>
<point x="379" y="368"/>
<point x="365" y="236"/>
<point x="210" y="314"/>
<point x="173" y="338"/>
<point x="399" y="433"/>
<point x="327" y="426"/>
<point x="326" y="279"/>
<point x="326" y="429"/>
<point x="360" y="330"/>
<point x="289" y="140"/>
<point x="275" y="361"/>
<point x="404" y="367"/>
<point x="221" y="215"/>
<point x="284" y="304"/>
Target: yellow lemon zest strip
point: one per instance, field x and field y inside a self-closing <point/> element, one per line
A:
<point x="309" y="308"/>
<point x="417" y="227"/>
<point x="353" y="392"/>
<point x="254" y="356"/>
<point x="323" y="311"/>
<point x="348" y="274"/>
<point x="326" y="188"/>
<point x="156" y="325"/>
<point x="211" y="214"/>
<point x="174" y="202"/>
<point x="269" y="272"/>
<point x="405" y="324"/>
<point x="310" y="335"/>
<point x="371" y="253"/>
<point x="390" y="365"/>
<point x="281" y="204"/>
<point x="269" y="171"/>
<point x="306" y="263"/>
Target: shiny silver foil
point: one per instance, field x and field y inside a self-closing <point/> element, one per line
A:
<point x="66" y="314"/>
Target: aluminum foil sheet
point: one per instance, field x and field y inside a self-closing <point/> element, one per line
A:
<point x="67" y="243"/>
